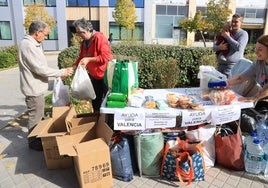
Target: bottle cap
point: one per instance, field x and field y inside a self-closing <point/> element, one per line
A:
<point x="253" y="134"/>
<point x="256" y="141"/>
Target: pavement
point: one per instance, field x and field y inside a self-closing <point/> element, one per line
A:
<point x="21" y="167"/>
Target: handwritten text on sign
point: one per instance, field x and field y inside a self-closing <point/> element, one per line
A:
<point x="225" y="114"/>
<point x="130" y="120"/>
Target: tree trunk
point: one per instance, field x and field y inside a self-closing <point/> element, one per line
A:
<point x="203" y="38"/>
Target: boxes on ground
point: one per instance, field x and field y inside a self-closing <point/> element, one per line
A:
<point x="48" y="130"/>
<point x="90" y="153"/>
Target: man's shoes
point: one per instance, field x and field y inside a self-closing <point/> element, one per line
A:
<point x="36" y="144"/>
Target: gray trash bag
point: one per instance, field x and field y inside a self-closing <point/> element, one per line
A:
<point x="121" y="160"/>
<point x="149" y="152"/>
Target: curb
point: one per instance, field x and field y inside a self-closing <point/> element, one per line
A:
<point x="52" y="52"/>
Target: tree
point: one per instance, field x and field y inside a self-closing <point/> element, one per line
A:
<point x="125" y="14"/>
<point x="197" y="24"/>
<point x="216" y="15"/>
<point x="35" y="12"/>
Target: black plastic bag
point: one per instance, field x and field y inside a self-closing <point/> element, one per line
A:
<point x="120" y="159"/>
<point x="248" y="121"/>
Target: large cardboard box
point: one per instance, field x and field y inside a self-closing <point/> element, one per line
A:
<point x="90" y="152"/>
<point x="74" y="120"/>
<point x="48" y="130"/>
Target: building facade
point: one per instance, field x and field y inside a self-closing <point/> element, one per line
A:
<point x="157" y="20"/>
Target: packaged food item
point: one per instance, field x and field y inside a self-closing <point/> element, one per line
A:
<point x="222" y="96"/>
<point x="136" y="100"/>
<point x="172" y="100"/>
<point x="117" y="97"/>
<point x="161" y="104"/>
<point x="184" y="101"/>
<point x="150" y="102"/>
<point x="116" y="104"/>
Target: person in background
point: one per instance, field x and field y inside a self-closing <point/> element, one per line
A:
<point x="94" y="55"/>
<point x="236" y="45"/>
<point x="221" y="54"/>
<point x="110" y="39"/>
<point x="34" y="74"/>
<point x="256" y="73"/>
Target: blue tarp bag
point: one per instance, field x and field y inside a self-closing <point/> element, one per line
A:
<point x="120" y="159"/>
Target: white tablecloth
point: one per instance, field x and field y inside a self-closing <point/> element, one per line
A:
<point x="155" y="118"/>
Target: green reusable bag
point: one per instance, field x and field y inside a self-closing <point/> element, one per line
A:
<point x="149" y="147"/>
<point x="125" y="77"/>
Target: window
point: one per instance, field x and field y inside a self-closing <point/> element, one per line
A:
<point x="94" y="3"/>
<point x="53" y="35"/>
<point x="251" y="13"/>
<point x="3" y="3"/>
<point x="167" y="19"/>
<point x="172" y="10"/>
<point x="138" y="3"/>
<point x="202" y="9"/>
<point x="161" y="9"/>
<point x="71" y="3"/>
<point x="79" y="3"/>
<point x="5" y="31"/>
<point x="48" y="3"/>
<point x="164" y="27"/>
<point x="120" y="33"/>
<point x="261" y="13"/>
<point x="183" y="10"/>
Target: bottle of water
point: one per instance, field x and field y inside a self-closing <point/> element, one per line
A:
<point x="262" y="127"/>
<point x="249" y="139"/>
<point x="265" y="164"/>
<point x="254" y="157"/>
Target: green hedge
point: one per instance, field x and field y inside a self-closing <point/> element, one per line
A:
<point x="6" y="60"/>
<point x="9" y="56"/>
<point x="188" y="61"/>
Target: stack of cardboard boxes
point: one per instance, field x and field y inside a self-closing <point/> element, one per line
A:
<point x="80" y="141"/>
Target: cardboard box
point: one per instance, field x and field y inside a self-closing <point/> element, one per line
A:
<point x="47" y="130"/>
<point x="72" y="120"/>
<point x="91" y="154"/>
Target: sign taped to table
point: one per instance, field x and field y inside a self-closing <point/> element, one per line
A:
<point x="129" y="120"/>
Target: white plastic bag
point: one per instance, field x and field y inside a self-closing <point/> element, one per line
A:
<point x="81" y="86"/>
<point x="205" y="134"/>
<point x="60" y="96"/>
<point x="208" y="74"/>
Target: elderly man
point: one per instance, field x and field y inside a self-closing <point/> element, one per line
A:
<point x="34" y="73"/>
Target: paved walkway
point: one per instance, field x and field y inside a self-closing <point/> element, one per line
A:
<point x="21" y="167"/>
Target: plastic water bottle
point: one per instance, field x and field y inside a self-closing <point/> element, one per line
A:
<point x="249" y="139"/>
<point x="254" y="157"/>
<point x="262" y="128"/>
<point x="265" y="164"/>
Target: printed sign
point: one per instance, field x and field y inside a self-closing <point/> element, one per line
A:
<point x="225" y="114"/>
<point x="160" y="119"/>
<point x="195" y="117"/>
<point x="132" y="119"/>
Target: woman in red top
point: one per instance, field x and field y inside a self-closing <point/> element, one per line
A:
<point x="94" y="55"/>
